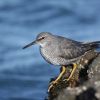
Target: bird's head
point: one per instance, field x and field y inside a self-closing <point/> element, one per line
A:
<point x="42" y="39"/>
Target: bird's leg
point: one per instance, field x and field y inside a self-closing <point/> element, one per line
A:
<point x="73" y="70"/>
<point x="58" y="78"/>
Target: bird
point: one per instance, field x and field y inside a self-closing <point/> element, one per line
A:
<point x="62" y="51"/>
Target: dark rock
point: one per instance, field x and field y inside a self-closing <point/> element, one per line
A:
<point x="85" y="83"/>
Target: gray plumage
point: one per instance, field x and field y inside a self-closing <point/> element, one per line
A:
<point x="59" y="50"/>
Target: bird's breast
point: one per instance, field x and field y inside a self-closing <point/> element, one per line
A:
<point x="49" y="54"/>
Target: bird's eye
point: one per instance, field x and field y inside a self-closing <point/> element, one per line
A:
<point x="41" y="38"/>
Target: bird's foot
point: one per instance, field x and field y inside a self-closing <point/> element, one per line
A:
<point x="52" y="84"/>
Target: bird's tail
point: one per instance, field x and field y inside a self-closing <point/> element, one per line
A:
<point x="92" y="45"/>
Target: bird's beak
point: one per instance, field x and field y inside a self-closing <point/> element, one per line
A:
<point x="30" y="44"/>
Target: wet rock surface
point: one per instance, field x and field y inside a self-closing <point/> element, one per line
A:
<point x="85" y="83"/>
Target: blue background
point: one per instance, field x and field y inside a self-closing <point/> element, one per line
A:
<point x="24" y="74"/>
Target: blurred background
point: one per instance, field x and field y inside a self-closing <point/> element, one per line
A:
<point x="24" y="75"/>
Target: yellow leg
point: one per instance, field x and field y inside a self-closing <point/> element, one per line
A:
<point x="58" y="78"/>
<point x="73" y="70"/>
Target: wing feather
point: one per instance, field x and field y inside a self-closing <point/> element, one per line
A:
<point x="70" y="49"/>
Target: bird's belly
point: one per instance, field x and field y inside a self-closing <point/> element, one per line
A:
<point x="49" y="56"/>
<point x="52" y="58"/>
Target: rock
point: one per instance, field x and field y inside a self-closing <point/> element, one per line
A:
<point x="85" y="83"/>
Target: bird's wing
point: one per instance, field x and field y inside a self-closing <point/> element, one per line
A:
<point x="71" y="49"/>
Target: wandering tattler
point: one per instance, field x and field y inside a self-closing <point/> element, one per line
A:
<point x="62" y="51"/>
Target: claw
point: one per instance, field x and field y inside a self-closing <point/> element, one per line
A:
<point x="58" y="78"/>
